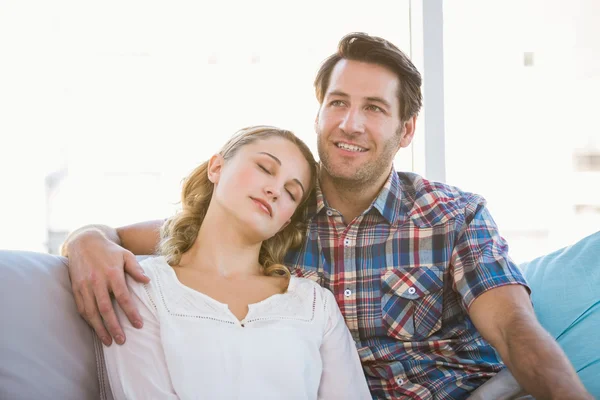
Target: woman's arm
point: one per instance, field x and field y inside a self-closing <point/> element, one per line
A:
<point x="138" y="368"/>
<point x="342" y="376"/>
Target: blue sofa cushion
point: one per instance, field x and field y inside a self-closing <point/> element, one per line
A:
<point x="565" y="288"/>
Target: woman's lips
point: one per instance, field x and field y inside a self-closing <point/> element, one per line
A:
<point x="263" y="206"/>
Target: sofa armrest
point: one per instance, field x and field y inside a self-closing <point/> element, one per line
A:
<point x="47" y="349"/>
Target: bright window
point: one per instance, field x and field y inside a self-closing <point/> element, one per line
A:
<point x="522" y="84"/>
<point x="107" y="106"/>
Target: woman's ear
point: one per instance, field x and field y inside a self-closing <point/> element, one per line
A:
<point x="215" y="166"/>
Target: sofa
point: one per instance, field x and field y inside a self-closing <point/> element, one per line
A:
<point x="48" y="352"/>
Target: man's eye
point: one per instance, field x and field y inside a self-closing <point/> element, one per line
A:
<point x="336" y="103"/>
<point x="375" y="108"/>
<point x="264" y="169"/>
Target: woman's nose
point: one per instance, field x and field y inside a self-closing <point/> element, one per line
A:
<point x="272" y="192"/>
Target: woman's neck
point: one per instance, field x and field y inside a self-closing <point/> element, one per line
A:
<point x="222" y="248"/>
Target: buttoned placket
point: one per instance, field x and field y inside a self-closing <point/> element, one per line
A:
<point x="347" y="246"/>
<point x="345" y="243"/>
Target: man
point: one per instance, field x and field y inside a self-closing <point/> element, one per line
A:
<point x="418" y="268"/>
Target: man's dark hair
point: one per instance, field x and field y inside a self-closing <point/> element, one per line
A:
<point x="375" y="50"/>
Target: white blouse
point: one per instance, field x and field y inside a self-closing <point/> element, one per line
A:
<point x="290" y="346"/>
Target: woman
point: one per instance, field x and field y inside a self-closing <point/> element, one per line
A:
<point x="223" y="317"/>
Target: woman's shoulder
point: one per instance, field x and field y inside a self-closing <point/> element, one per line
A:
<point x="311" y="289"/>
<point x="154" y="264"/>
<point x="155" y="268"/>
<point x="319" y="300"/>
<point x="303" y="285"/>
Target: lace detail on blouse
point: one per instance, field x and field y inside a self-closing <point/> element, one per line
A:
<point x="167" y="293"/>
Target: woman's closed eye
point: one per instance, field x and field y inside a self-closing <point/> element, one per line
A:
<point x="264" y="169"/>
<point x="267" y="171"/>
<point x="291" y="195"/>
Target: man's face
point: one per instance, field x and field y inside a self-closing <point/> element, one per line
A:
<point x="358" y="125"/>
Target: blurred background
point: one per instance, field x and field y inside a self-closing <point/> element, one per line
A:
<point x="106" y="106"/>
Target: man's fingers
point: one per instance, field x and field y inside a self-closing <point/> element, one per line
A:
<point x="133" y="268"/>
<point x="92" y="316"/>
<point x="79" y="301"/>
<point x="123" y="297"/>
<point x="122" y="294"/>
<point x="107" y="312"/>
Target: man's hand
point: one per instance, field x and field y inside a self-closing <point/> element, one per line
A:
<point x="97" y="267"/>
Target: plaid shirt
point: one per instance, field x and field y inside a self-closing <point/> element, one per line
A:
<point x="404" y="273"/>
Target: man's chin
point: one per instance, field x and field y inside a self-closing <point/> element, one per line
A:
<point x="341" y="170"/>
<point x="350" y="176"/>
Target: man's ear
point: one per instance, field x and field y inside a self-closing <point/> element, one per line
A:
<point x="215" y="166"/>
<point x="408" y="131"/>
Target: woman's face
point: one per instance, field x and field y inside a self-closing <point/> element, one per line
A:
<point x="262" y="184"/>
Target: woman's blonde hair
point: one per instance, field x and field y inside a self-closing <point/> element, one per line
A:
<point x="179" y="232"/>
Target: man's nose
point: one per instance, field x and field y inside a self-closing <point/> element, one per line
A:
<point x="353" y="121"/>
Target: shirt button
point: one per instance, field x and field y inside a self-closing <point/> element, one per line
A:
<point x="347" y="292"/>
<point x="412" y="290"/>
<point x="347" y="242"/>
<point x="399" y="381"/>
<point x="329" y="212"/>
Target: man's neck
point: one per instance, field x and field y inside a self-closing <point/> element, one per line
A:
<point x="350" y="198"/>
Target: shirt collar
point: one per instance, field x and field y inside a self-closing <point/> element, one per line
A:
<point x="387" y="202"/>
<point x="318" y="202"/>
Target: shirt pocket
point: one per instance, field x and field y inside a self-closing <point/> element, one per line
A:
<point x="412" y="301"/>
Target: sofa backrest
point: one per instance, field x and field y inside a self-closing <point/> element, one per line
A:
<point x="46" y="349"/>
